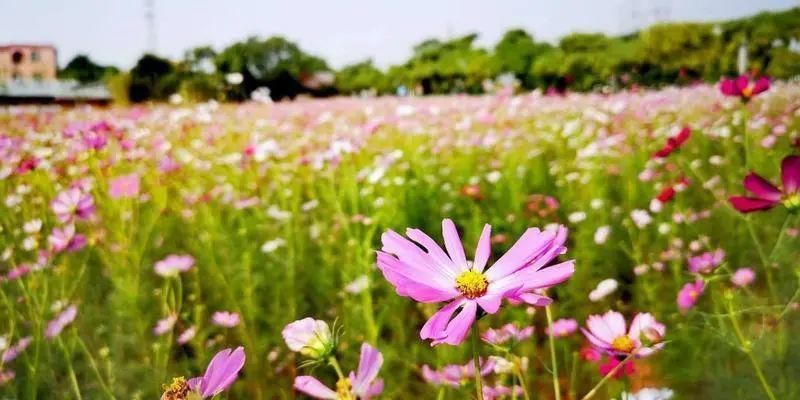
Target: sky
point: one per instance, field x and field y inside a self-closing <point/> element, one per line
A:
<point x="342" y="31"/>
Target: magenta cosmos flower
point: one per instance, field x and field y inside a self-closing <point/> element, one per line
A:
<point x="607" y="333"/>
<point x="766" y="194"/>
<point x="433" y="276"/>
<point x="220" y="374"/>
<point x="743" y="87"/>
<point x="689" y="294"/>
<point x="362" y="385"/>
<point x="174" y="264"/>
<point x="72" y="203"/>
<point x="124" y="187"/>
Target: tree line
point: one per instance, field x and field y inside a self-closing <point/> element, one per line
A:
<point x="662" y="54"/>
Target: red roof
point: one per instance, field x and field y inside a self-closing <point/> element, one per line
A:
<point x="26" y="46"/>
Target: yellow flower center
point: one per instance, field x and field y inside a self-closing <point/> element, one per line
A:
<point x="178" y="389"/>
<point x="472" y="284"/>
<point x="623" y="344"/>
<point x="344" y="389"/>
<point x="792" y="201"/>
<point x="748" y="91"/>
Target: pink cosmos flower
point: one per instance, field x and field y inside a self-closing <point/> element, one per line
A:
<point x="65" y="239"/>
<point x="165" y="325"/>
<point x="14" y="351"/>
<point x="72" y="203"/>
<point x="766" y="194"/>
<point x="433" y="276"/>
<point x="362" y="385"/>
<point x="186" y="336"/>
<point x="607" y="333"/>
<point x="564" y="327"/>
<point x="174" y="264"/>
<point x="506" y="333"/>
<point x="61" y="321"/>
<point x="743" y="87"/>
<point x="743" y="277"/>
<point x="124" y="187"/>
<point x="222" y="371"/>
<point x="455" y="375"/>
<point x="225" y="319"/>
<point x="689" y="294"/>
<point x="706" y="262"/>
<point x="499" y="391"/>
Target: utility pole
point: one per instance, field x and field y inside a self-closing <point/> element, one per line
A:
<point x="150" y="22"/>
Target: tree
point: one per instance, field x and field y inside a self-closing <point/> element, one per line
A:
<point x="152" y="79"/>
<point x="82" y="69"/>
<point x="359" y="77"/>
<point x="516" y="52"/>
<point x="276" y="63"/>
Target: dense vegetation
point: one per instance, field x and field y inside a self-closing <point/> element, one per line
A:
<point x="661" y="54"/>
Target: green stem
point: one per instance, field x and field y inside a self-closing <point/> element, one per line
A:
<point x="553" y="361"/>
<point x="781" y="236"/>
<point x="96" y="370"/>
<point x="606" y="378"/>
<point x="762" y="256"/>
<point x="521" y="377"/>
<point x="335" y="364"/>
<point x="72" y="378"/>
<point x="476" y="361"/>
<point x="748" y="350"/>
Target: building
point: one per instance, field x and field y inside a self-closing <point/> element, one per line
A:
<point x="26" y="62"/>
<point x="28" y="75"/>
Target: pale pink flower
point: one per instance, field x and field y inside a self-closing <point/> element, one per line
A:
<point x="362" y="384"/>
<point x="689" y="294"/>
<point x="61" y="321"/>
<point x="174" y="264"/>
<point x="743" y="277"/>
<point x="225" y="319"/>
<point x="607" y="333"/>
<point x="564" y="327"/>
<point x="124" y="187"/>
<point x="71" y="204"/>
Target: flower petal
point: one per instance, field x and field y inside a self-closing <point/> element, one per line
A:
<point x="484" y="249"/>
<point x="790" y="174"/>
<point x="750" y="204"/>
<point x="532" y="243"/>
<point x="314" y="388"/>
<point x="368" y="367"/>
<point x="453" y="244"/>
<point x="762" y="188"/>
<point x="458" y="328"/>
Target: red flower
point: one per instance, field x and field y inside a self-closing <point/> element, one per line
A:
<point x="666" y="194"/>
<point x="626" y="370"/>
<point x="768" y="195"/>
<point x="674" y="143"/>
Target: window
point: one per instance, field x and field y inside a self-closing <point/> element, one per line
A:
<point x="37" y="76"/>
<point x="17" y="57"/>
<point x="34" y="56"/>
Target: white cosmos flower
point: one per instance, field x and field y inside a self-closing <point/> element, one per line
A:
<point x="272" y="245"/>
<point x="603" y="289"/>
<point x="601" y="234"/>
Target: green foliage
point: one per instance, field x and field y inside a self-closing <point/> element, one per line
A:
<point x="663" y="54"/>
<point x="82" y="69"/>
<point x="359" y="77"/>
<point x="152" y="78"/>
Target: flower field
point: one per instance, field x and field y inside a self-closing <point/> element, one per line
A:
<point x="643" y="242"/>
